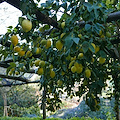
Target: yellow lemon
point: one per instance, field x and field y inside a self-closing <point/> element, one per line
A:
<point x="100" y="32"/>
<point x="22" y="69"/>
<point x="61" y="36"/>
<point x="43" y="42"/>
<point x="14" y="40"/>
<point x="92" y="60"/>
<point x="21" y="53"/>
<point x="108" y="34"/>
<point x="97" y="48"/>
<point x="40" y="71"/>
<point x="71" y="96"/>
<point x="62" y="25"/>
<point x="10" y="72"/>
<point x="79" y="68"/>
<point x="48" y="44"/>
<point x="48" y="100"/>
<point x="93" y="45"/>
<point x="71" y="63"/>
<point x="38" y="50"/>
<point x="52" y="74"/>
<point x="37" y="62"/>
<point x="17" y="49"/>
<point x="59" y="45"/>
<point x="80" y="36"/>
<point x="73" y="58"/>
<point x="101" y="60"/>
<point x="51" y="66"/>
<point x="13" y="69"/>
<point x="16" y="72"/>
<point x="28" y="54"/>
<point x="68" y="57"/>
<point x="62" y="73"/>
<point x="80" y="55"/>
<point x="42" y="63"/>
<point x="76" y="64"/>
<point x="26" y="25"/>
<point x="41" y="29"/>
<point x="88" y="73"/>
<point x="59" y="83"/>
<point x="102" y="36"/>
<point x="73" y="69"/>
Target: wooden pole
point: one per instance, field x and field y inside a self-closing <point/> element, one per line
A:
<point x="116" y="95"/>
<point x="44" y="102"/>
<point x="5" y="104"/>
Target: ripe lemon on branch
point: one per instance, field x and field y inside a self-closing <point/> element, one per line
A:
<point x="17" y="49"/>
<point x="80" y="55"/>
<point x="37" y="62"/>
<point x="101" y="60"/>
<point x="88" y="73"/>
<point x="52" y="74"/>
<point x="48" y="44"/>
<point x="26" y="25"/>
<point x="59" y="45"/>
<point x="28" y="54"/>
<point x="14" y="40"/>
<point x="21" y="53"/>
<point x="62" y="25"/>
<point x="40" y="71"/>
<point x="41" y="63"/>
<point x="59" y="83"/>
<point x="73" y="69"/>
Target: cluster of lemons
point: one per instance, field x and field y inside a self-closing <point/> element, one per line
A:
<point x="100" y="59"/>
<point x="107" y="34"/>
<point x="76" y="67"/>
<point x="42" y="66"/>
<point x="73" y="65"/>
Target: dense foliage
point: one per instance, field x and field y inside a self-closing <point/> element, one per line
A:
<point x="22" y="101"/>
<point x="16" y="118"/>
<point x="80" y="49"/>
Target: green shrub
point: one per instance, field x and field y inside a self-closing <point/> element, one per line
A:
<point x="38" y="118"/>
<point x="1" y="111"/>
<point x="23" y="111"/>
<point x="84" y="118"/>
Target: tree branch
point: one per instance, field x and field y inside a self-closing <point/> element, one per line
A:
<point x="113" y="16"/>
<point x="14" y="78"/>
<point x="47" y="20"/>
<point x="1" y="1"/>
<point x="11" y="84"/>
<point x="40" y="16"/>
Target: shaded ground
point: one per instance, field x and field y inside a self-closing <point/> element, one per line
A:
<point x="82" y="109"/>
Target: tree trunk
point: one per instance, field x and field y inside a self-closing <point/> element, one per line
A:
<point x="44" y="102"/>
<point x="116" y="95"/>
<point x="5" y="105"/>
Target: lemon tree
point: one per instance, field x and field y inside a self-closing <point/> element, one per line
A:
<point x="80" y="46"/>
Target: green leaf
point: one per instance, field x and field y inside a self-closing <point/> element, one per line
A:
<point x="96" y="13"/>
<point x="91" y="48"/>
<point x="89" y="6"/>
<point x="12" y="64"/>
<point x="76" y="40"/>
<point x="87" y="27"/>
<point x="68" y="41"/>
<point x="85" y="46"/>
<point x="11" y="47"/>
<point x="102" y="54"/>
<point x="20" y="20"/>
